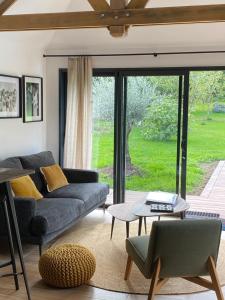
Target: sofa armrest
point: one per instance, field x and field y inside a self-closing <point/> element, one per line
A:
<point x="25" y="211"/>
<point x="28" y="204"/>
<point x="80" y="176"/>
<point x="39" y="226"/>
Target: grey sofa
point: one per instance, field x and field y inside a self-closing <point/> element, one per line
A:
<point x="43" y="220"/>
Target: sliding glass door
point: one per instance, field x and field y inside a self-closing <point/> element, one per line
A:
<point x="103" y="127"/>
<point x="155" y="136"/>
<point x="140" y="131"/>
<point x="140" y="124"/>
<point x="152" y="135"/>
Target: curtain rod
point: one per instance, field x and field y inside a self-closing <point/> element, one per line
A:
<point x="155" y="54"/>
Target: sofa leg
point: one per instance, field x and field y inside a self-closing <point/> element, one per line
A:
<point x="40" y="250"/>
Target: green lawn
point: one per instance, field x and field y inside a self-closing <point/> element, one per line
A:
<point x="157" y="160"/>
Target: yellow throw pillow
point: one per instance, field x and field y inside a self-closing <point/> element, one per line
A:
<point x="54" y="177"/>
<point x="24" y="187"/>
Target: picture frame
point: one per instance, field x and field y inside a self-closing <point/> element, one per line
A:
<point x="10" y="97"/>
<point x="32" y="99"/>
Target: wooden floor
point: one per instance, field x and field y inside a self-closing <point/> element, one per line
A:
<point x="212" y="198"/>
<point x="40" y="291"/>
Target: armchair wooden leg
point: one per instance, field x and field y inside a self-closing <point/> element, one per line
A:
<point x="214" y="284"/>
<point x="215" y="279"/>
<point x="128" y="268"/>
<point x="155" y="280"/>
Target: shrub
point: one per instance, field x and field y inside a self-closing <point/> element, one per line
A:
<point x="160" y="121"/>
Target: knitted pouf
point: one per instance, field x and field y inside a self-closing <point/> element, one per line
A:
<point x="67" y="266"/>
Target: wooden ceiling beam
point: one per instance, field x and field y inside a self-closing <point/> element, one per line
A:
<point x="94" y="19"/>
<point x="99" y="5"/>
<point x="118" y="4"/>
<point x="5" y="5"/>
<point x="137" y="4"/>
<point x="118" y="31"/>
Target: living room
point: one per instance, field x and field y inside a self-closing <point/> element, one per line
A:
<point x="102" y="156"/>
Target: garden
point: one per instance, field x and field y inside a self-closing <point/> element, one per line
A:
<point x="152" y="129"/>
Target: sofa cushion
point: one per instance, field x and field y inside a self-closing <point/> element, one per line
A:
<point x="54" y="177"/>
<point x="35" y="161"/>
<point x="24" y="187"/>
<point x="12" y="162"/>
<point x="90" y="193"/>
<point x="57" y="213"/>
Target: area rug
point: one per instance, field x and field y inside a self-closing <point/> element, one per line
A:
<point x="111" y="261"/>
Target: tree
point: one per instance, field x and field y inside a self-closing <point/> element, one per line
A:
<point x="165" y="85"/>
<point x="160" y="121"/>
<point x="139" y="94"/>
<point x="206" y="87"/>
<point x="103" y="98"/>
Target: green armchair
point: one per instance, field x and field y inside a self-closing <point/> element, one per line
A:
<point x="182" y="248"/>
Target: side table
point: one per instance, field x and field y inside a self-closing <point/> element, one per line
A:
<point x="123" y="212"/>
<point x="143" y="210"/>
<point x="6" y="198"/>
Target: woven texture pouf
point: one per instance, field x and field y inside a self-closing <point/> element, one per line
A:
<point x="67" y="266"/>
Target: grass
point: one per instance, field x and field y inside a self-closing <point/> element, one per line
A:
<point x="157" y="160"/>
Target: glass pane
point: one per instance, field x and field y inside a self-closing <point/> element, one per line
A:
<point x="151" y="135"/>
<point x="103" y="127"/>
<point x="206" y="132"/>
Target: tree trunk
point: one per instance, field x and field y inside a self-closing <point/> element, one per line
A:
<point x="209" y="109"/>
<point x="127" y="153"/>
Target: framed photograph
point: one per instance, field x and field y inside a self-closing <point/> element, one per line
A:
<point x="32" y="99"/>
<point x="10" y="97"/>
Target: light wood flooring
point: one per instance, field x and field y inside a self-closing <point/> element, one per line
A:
<point x="40" y="291"/>
<point x="212" y="199"/>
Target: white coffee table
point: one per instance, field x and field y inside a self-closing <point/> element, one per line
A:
<point x="142" y="210"/>
<point x="129" y="212"/>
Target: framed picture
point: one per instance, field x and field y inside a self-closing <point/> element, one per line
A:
<point x="32" y="99"/>
<point x="10" y="97"/>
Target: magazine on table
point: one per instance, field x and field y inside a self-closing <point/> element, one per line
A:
<point x="159" y="197"/>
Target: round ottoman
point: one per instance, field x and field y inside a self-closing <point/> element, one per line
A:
<point x="67" y="266"/>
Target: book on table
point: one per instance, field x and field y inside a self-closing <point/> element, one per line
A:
<point x="159" y="197"/>
<point x="161" y="208"/>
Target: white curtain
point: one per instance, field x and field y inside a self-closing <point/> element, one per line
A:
<point x="78" y="137"/>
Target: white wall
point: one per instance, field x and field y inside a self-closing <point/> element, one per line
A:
<point x="52" y="79"/>
<point x="19" y="58"/>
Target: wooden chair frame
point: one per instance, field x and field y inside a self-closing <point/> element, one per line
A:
<point x="157" y="282"/>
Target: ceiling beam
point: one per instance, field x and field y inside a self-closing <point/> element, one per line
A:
<point x="118" y="4"/>
<point x="137" y="4"/>
<point x="118" y="31"/>
<point x="5" y="5"/>
<point x="94" y="19"/>
<point x="99" y="4"/>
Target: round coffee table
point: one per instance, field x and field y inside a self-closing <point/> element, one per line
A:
<point x="142" y="210"/>
<point x="123" y="212"/>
